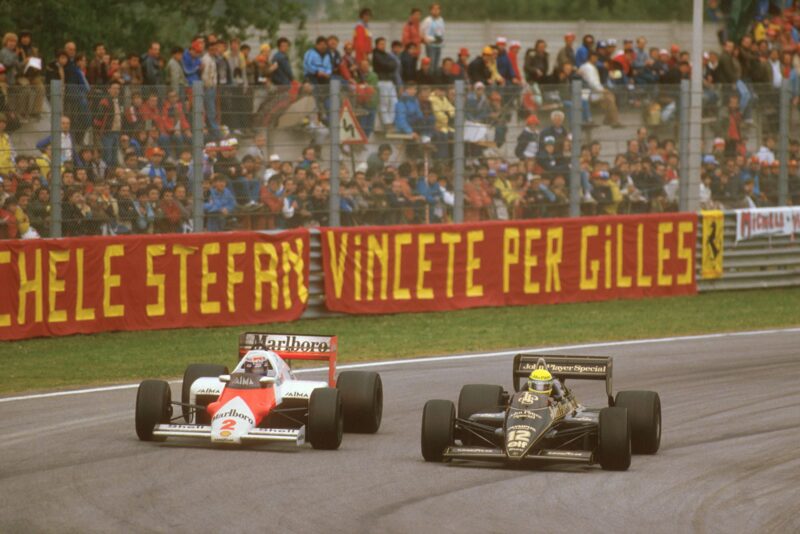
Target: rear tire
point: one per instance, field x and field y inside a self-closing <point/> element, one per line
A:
<point x="644" y="414"/>
<point x="153" y="407"/>
<point x="477" y="398"/>
<point x="614" y="440"/>
<point x="362" y="401"/>
<point x="192" y="373"/>
<point x="438" y="426"/>
<point x="325" y="421"/>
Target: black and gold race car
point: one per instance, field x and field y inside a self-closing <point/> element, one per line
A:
<point x="525" y="427"/>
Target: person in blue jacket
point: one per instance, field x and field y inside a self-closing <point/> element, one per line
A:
<point x="429" y="188"/>
<point x="220" y="204"/>
<point x="408" y="117"/>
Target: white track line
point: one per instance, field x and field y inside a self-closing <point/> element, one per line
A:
<point x="472" y="356"/>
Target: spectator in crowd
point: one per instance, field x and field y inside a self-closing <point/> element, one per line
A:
<point x="432" y="33"/>
<point x="362" y="37"/>
<point x="385" y="67"/>
<point x="411" y="29"/>
<point x="282" y="75"/>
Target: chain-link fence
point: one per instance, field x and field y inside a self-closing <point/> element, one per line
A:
<point x="368" y="151"/>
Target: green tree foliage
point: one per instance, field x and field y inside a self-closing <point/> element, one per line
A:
<point x="521" y="10"/>
<point x="130" y="25"/>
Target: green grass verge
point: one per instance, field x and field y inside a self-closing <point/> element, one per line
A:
<point x="128" y="356"/>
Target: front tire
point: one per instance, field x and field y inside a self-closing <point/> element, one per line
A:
<point x="614" y="440"/>
<point x="325" y="421"/>
<point x="477" y="398"/>
<point x="192" y="373"/>
<point x="153" y="407"/>
<point x="438" y="427"/>
<point x="644" y="414"/>
<point x="362" y="401"/>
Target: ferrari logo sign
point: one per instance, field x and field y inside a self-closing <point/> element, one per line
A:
<point x="712" y="244"/>
<point x="350" y="131"/>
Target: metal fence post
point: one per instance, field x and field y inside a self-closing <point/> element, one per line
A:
<point x="784" y="116"/>
<point x="575" y="171"/>
<point x="333" y="124"/>
<point x="197" y="156"/>
<point x="684" y="102"/>
<point x="56" y="101"/>
<point x="458" y="154"/>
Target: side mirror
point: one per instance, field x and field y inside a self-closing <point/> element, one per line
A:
<point x="267" y="380"/>
<point x="225" y="378"/>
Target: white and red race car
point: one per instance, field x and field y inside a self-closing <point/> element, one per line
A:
<point x="261" y="400"/>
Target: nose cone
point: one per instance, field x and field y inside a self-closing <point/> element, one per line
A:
<point x="232" y="421"/>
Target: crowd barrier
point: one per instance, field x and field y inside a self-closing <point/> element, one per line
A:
<point x="84" y="285"/>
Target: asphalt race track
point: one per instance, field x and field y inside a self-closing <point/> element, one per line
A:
<point x="729" y="460"/>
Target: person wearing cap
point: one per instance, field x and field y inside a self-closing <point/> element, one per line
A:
<point x="513" y="55"/>
<point x="461" y="68"/>
<point x="273" y="168"/>
<point x="411" y="33"/>
<point x="504" y="67"/>
<point x="556" y="130"/>
<point x="479" y="69"/>
<point x="528" y="139"/>
<point x="588" y="71"/>
<point x="567" y="52"/>
<point x="192" y="60"/>
<point x="432" y="32"/>
<point x="477" y="106"/>
<point x="425" y="75"/>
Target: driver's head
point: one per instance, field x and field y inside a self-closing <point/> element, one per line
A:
<point x="540" y="381"/>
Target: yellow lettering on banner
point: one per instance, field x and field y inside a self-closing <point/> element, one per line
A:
<point x="588" y="282"/>
<point x="155" y="280"/>
<point x="663" y="253"/>
<point x="379" y="250"/>
<point x="208" y="278"/>
<point x="510" y="255"/>
<point x="531" y="260"/>
<point x="607" y="254"/>
<point x="423" y="265"/>
<point x="473" y="263"/>
<point x="293" y="261"/>
<point x="110" y="281"/>
<point x="337" y="261"/>
<point x="398" y="292"/>
<point x="684" y="253"/>
<point x="642" y="280"/>
<point x="5" y="318"/>
<point x="55" y="286"/>
<point x="33" y="285"/>
<point x="81" y="313"/>
<point x="234" y="277"/>
<point x="451" y="239"/>
<point x="622" y="279"/>
<point x="357" y="261"/>
<point x="266" y="276"/>
<point x="183" y="251"/>
<point x="555" y="253"/>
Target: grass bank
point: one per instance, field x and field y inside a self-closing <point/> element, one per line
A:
<point x="50" y="363"/>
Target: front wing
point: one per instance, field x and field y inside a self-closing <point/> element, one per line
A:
<point x="255" y="435"/>
<point x="489" y="454"/>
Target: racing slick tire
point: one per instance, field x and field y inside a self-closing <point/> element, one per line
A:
<point x="325" y="421"/>
<point x="614" y="440"/>
<point x="644" y="414"/>
<point x="362" y="400"/>
<point x="476" y="398"/>
<point x="192" y="373"/>
<point x="153" y="407"/>
<point x="438" y="426"/>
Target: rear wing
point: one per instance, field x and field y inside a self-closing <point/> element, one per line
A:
<point x="563" y="367"/>
<point x="293" y="347"/>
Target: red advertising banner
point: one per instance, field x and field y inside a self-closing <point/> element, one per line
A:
<point x="54" y="287"/>
<point x="446" y="267"/>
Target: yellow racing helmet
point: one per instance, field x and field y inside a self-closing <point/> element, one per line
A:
<point x="540" y="381"/>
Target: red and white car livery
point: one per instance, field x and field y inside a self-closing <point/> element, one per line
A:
<point x="262" y="400"/>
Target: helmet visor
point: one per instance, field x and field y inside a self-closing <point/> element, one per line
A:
<point x="540" y="386"/>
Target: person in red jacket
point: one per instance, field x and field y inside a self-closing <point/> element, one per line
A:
<point x="411" y="29"/>
<point x="362" y="38"/>
<point x="8" y="219"/>
<point x="175" y="131"/>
